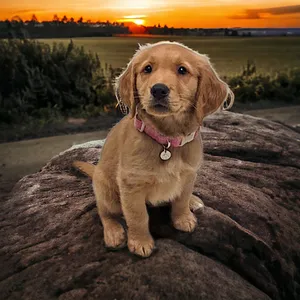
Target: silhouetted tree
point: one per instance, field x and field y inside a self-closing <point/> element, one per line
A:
<point x="55" y="19"/>
<point x="34" y="19"/>
<point x="65" y="19"/>
<point x="17" y="29"/>
<point x="234" y="33"/>
<point x="166" y="30"/>
<point x="17" y="19"/>
<point x="8" y="23"/>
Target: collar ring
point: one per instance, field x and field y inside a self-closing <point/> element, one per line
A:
<point x="168" y="145"/>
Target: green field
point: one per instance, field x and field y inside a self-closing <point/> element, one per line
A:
<point x="228" y="55"/>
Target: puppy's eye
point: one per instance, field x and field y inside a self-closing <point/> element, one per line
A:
<point x="182" y="70"/>
<point x="148" y="69"/>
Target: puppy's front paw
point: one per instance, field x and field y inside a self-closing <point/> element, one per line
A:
<point x="115" y="237"/>
<point x="186" y="222"/>
<point x="195" y="203"/>
<point x="141" y="247"/>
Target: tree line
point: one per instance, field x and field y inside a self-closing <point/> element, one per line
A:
<point x="59" y="28"/>
<point x="68" y="27"/>
<point x="59" y="21"/>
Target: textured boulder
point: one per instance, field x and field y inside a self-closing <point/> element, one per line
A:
<point x="246" y="245"/>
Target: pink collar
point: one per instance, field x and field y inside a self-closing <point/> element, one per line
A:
<point x="162" y="139"/>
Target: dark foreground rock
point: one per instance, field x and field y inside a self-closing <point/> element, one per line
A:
<point x="246" y="245"/>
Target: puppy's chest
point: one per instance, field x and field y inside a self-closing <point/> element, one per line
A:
<point x="168" y="183"/>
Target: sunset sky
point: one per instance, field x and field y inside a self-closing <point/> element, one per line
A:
<point x="177" y="13"/>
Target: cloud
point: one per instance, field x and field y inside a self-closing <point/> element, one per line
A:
<point x="26" y="11"/>
<point x="283" y="10"/>
<point x="252" y="14"/>
<point x="249" y="15"/>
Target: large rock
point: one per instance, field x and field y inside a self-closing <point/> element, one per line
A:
<point x="246" y="245"/>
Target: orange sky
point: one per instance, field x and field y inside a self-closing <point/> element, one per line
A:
<point x="177" y="13"/>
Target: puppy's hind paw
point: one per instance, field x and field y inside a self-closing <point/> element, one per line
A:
<point x="186" y="223"/>
<point x="196" y="203"/>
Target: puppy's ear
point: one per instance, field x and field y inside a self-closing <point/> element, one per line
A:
<point x="125" y="89"/>
<point x="212" y="91"/>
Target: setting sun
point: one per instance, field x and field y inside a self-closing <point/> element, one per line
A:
<point x="139" y="21"/>
<point x="136" y="19"/>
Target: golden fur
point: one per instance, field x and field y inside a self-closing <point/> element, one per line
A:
<point x="130" y="173"/>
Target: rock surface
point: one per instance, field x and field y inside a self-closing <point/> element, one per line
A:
<point x="246" y="245"/>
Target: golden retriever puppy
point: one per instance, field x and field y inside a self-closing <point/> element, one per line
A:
<point x="152" y="155"/>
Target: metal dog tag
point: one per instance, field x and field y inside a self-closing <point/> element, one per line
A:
<point x="165" y="154"/>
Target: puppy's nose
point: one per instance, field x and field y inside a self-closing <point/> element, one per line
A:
<point x="160" y="91"/>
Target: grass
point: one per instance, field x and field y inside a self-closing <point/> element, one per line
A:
<point x="42" y="86"/>
<point x="270" y="54"/>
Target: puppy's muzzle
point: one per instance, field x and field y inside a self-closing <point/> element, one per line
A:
<point x="160" y="96"/>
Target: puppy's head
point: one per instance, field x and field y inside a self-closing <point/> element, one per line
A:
<point x="168" y="78"/>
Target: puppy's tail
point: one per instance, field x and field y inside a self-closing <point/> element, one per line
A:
<point x="84" y="167"/>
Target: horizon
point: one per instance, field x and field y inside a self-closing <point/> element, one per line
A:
<point x="135" y="22"/>
<point x="173" y="13"/>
